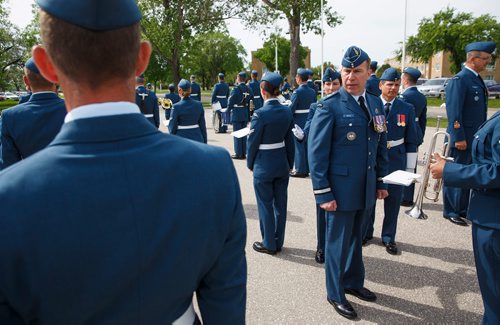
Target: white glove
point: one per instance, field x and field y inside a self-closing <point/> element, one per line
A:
<point x="298" y="132"/>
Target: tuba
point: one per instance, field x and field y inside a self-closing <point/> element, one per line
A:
<point x="165" y="103"/>
<point x="429" y="190"/>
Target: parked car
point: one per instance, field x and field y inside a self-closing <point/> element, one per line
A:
<point x="8" y="95"/>
<point x="494" y="91"/>
<point x="2" y="97"/>
<point x="421" y="81"/>
<point x="489" y="83"/>
<point x="434" y="87"/>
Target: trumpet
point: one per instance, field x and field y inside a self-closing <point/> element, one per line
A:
<point x="165" y="103"/>
<point x="428" y="190"/>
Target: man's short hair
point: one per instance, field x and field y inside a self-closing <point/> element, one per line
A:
<point x="84" y="55"/>
<point x="269" y="88"/>
<point x="410" y="78"/>
<point x="37" y="81"/>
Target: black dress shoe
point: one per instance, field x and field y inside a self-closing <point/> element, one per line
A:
<point x="407" y="203"/>
<point x="237" y="157"/>
<point x="344" y="309"/>
<point x="391" y="248"/>
<point x="296" y="174"/>
<point x="366" y="240"/>
<point x="363" y="294"/>
<point x="259" y="247"/>
<point x="457" y="220"/>
<point x="319" y="257"/>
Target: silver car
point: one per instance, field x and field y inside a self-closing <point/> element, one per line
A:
<point x="434" y="87"/>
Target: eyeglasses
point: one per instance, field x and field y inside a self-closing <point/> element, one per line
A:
<point x="484" y="58"/>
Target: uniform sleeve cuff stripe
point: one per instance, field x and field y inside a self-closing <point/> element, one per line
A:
<point x="322" y="191"/>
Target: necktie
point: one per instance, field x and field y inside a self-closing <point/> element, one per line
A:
<point x="387" y="108"/>
<point x="361" y="101"/>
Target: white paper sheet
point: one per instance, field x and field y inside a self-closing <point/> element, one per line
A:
<point x="241" y="133"/>
<point x="401" y="177"/>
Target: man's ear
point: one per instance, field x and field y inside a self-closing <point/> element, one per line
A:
<point x="44" y="64"/>
<point x="143" y="57"/>
<point x="26" y="83"/>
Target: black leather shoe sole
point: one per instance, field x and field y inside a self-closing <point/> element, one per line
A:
<point x="319" y="257"/>
<point x="345" y="310"/>
<point x="391" y="248"/>
<point x="363" y="294"/>
<point x="295" y="174"/>
<point x="458" y="221"/>
<point x="238" y="157"/>
<point x="258" y="247"/>
<point x="406" y="203"/>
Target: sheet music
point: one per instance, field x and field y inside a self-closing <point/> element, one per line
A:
<point x="241" y="133"/>
<point x="401" y="177"/>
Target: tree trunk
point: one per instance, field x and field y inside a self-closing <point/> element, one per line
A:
<point x="294" y="28"/>
<point x="176" y="65"/>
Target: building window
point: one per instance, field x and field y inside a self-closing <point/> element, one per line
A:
<point x="437" y="67"/>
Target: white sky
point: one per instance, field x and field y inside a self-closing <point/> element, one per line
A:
<point x="377" y="26"/>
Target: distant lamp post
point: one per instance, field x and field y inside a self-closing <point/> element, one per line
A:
<point x="403" y="58"/>
<point x="322" y="38"/>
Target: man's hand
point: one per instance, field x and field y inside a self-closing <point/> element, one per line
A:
<point x="382" y="194"/>
<point x="329" y="206"/>
<point x="461" y="145"/>
<point x="437" y="167"/>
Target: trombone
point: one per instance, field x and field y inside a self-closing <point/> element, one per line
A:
<point x="428" y="190"/>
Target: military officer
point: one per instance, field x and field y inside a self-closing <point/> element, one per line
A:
<point x="220" y="94"/>
<point x="270" y="157"/>
<point x="29" y="127"/>
<point x="195" y="89"/>
<point x="238" y="109"/>
<point x="348" y="156"/>
<point x="419" y="101"/>
<point x="286" y="89"/>
<point x="254" y="84"/>
<point x="402" y="150"/>
<point x="301" y="101"/>
<point x="372" y="84"/>
<point x="466" y="108"/>
<point x="147" y="101"/>
<point x="174" y="98"/>
<point x="188" y="116"/>
<point x="100" y="238"/>
<point x="25" y="98"/>
<point x="331" y="83"/>
<point x="482" y="178"/>
<point x="310" y="81"/>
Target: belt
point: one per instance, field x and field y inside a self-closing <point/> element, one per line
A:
<point x="194" y="95"/>
<point x="187" y="318"/>
<point x="416" y="119"/>
<point x="220" y="96"/>
<point x="301" y="111"/>
<point x="148" y="115"/>
<point x="395" y="143"/>
<point x="239" y="106"/>
<point x="271" y="146"/>
<point x="185" y="127"/>
<point x="256" y="96"/>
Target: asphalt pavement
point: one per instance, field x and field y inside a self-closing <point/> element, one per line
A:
<point x="431" y="281"/>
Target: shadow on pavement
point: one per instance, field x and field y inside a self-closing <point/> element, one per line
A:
<point x="446" y="254"/>
<point x="299" y="255"/>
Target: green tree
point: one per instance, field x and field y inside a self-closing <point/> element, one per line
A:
<point x="11" y="54"/>
<point x="317" y="69"/>
<point x="171" y="26"/>
<point x="215" y="52"/>
<point x="267" y="54"/>
<point x="301" y="16"/>
<point x="450" y="31"/>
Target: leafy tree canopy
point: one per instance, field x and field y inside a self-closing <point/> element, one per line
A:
<point x="267" y="54"/>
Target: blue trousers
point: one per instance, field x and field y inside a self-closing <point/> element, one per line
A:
<point x="240" y="144"/>
<point x="456" y="200"/>
<point x="486" y="245"/>
<point x="301" y="165"/>
<point x="344" y="266"/>
<point x="167" y="113"/>
<point x="391" y="212"/>
<point x="368" y="226"/>
<point x="320" y="227"/>
<point x="272" y="196"/>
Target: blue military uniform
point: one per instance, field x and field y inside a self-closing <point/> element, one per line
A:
<point x="483" y="178"/>
<point x="148" y="104"/>
<point x="401" y="141"/>
<point x="286" y="89"/>
<point x="254" y="84"/>
<point x="466" y="109"/>
<point x="195" y="90"/>
<point x="174" y="98"/>
<point x="220" y="94"/>
<point x="29" y="127"/>
<point x="238" y="108"/>
<point x="270" y="157"/>
<point x="301" y="101"/>
<point x="188" y="118"/>
<point x="25" y="98"/>
<point x="346" y="155"/>
<point x="419" y="101"/>
<point x="103" y="240"/>
<point x="372" y="84"/>
<point x="329" y="75"/>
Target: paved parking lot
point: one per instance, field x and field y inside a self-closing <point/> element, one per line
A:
<point x="432" y="280"/>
